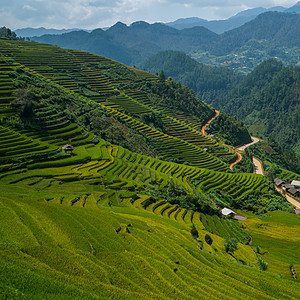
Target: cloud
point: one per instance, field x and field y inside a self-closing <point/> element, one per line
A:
<point x="100" y="13"/>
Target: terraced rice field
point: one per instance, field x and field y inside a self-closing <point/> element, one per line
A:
<point x="84" y="225"/>
<point x="81" y="72"/>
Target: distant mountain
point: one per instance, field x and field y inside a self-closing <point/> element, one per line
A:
<point x="133" y="44"/>
<point x="268" y="33"/>
<point x="294" y="9"/>
<point x="272" y="28"/>
<point x="220" y="26"/>
<point x="30" y="32"/>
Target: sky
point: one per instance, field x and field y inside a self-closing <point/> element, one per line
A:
<point x="90" y="14"/>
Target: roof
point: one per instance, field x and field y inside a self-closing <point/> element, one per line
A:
<point x="294" y="191"/>
<point x="68" y="147"/>
<point x="288" y="186"/>
<point x="295" y="182"/>
<point x="278" y="181"/>
<point x="226" y="211"/>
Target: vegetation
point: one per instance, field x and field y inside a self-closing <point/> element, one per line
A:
<point x="263" y="265"/>
<point x="230" y="245"/>
<point x="8" y="34"/>
<point x="269" y="35"/>
<point x="267" y="101"/>
<point x="106" y="221"/>
<point x="208" y="83"/>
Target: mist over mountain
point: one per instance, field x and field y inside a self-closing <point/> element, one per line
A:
<point x="30" y="32"/>
<point x="220" y="26"/>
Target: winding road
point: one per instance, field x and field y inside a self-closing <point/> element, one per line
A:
<point x="258" y="169"/>
<point x="257" y="165"/>
<point x="204" y="126"/>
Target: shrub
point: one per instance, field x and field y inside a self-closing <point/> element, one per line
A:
<point x="263" y="265"/>
<point x="194" y="231"/>
<point x="208" y="239"/>
<point x="230" y="245"/>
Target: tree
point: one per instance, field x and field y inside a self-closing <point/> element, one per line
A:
<point x="230" y="245"/>
<point x="162" y="76"/>
<point x="263" y="265"/>
<point x="208" y="239"/>
<point x="194" y="231"/>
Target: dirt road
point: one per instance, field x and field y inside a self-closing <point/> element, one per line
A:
<point x="254" y="141"/>
<point x="290" y="199"/>
<point x="203" y="127"/>
<point x="258" y="169"/>
<point x="241" y="149"/>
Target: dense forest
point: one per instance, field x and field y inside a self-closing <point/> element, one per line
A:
<point x="208" y="83"/>
<point x="267" y="100"/>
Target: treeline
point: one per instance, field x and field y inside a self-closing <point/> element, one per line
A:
<point x="8" y="34"/>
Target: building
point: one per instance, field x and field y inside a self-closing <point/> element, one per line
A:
<point x="294" y="192"/>
<point x="287" y="187"/>
<point x="279" y="182"/>
<point x="226" y="212"/>
<point x="296" y="183"/>
<point x="68" y="148"/>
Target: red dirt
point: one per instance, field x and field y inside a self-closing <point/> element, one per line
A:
<point x="216" y="115"/>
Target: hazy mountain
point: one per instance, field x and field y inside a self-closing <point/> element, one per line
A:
<point x="294" y="9"/>
<point x="132" y="44"/>
<point x="271" y="29"/>
<point x="30" y="32"/>
<point x="220" y="26"/>
<point x="135" y="43"/>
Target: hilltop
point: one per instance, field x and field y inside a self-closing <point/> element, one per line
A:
<point x="132" y="211"/>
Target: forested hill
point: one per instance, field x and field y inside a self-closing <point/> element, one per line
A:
<point x="271" y="29"/>
<point x="268" y="101"/>
<point x="208" y="83"/>
<point x="265" y="35"/>
<point x="132" y="44"/>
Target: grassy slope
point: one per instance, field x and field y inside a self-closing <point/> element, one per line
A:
<point x="50" y="250"/>
<point x="70" y="228"/>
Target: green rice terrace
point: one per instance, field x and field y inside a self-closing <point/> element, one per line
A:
<point x="132" y="211"/>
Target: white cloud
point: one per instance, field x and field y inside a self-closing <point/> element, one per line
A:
<point x="100" y="13"/>
<point x="28" y="7"/>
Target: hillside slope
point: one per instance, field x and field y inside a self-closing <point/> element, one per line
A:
<point x="268" y="101"/>
<point x="208" y="83"/>
<point x="106" y="222"/>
